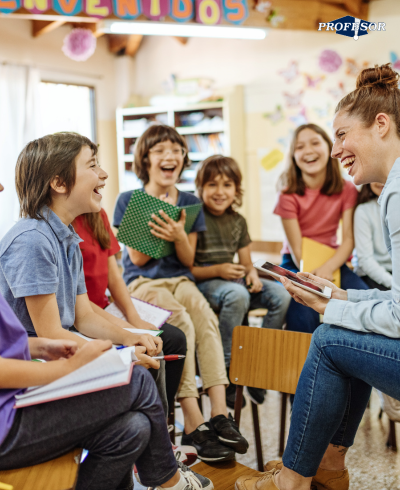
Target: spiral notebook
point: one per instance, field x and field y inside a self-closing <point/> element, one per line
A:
<point x="134" y="229"/>
<point x="111" y="369"/>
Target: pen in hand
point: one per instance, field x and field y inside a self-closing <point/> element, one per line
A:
<point x="170" y="357"/>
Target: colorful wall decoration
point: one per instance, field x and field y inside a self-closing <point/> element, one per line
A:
<point x="208" y="12"/>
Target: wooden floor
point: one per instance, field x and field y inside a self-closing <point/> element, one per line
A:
<point x="223" y="475"/>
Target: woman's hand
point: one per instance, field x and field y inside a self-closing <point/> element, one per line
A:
<point x="314" y="301"/>
<point x="152" y="345"/>
<point x="254" y="285"/>
<point x="337" y="293"/>
<point x="230" y="271"/>
<point x="145" y="360"/>
<point x="324" y="272"/>
<point x="167" y="228"/>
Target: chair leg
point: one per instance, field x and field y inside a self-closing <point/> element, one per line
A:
<point x="257" y="436"/>
<point x="391" y="442"/>
<point x="283" y="423"/>
<point x="238" y="403"/>
<point x="171" y="421"/>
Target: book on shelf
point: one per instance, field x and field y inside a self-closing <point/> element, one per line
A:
<point x="209" y="144"/>
<point x="113" y="368"/>
<point x="134" y="230"/>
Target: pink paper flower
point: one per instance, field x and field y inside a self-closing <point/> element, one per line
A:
<point x="79" y="44"/>
<point x="329" y="61"/>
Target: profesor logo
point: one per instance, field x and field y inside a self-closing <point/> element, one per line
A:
<point x="351" y="26"/>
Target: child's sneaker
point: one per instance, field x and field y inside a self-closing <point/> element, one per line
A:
<point x="206" y="442"/>
<point x="191" y="480"/>
<point x="185" y="454"/>
<point x="228" y="433"/>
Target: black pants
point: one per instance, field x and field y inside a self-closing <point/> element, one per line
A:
<point x="373" y="284"/>
<point x="174" y="341"/>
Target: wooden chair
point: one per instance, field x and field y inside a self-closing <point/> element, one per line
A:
<point x="57" y="474"/>
<point x="269" y="359"/>
<point x="223" y="475"/>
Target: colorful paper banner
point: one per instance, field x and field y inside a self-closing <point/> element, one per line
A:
<point x="208" y="12"/>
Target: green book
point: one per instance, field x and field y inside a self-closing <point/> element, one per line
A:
<point x="134" y="229"/>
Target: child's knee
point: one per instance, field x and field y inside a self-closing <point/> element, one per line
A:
<point x="238" y="298"/>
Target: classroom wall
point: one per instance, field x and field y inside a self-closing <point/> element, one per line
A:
<point x="102" y="71"/>
<point x="256" y="65"/>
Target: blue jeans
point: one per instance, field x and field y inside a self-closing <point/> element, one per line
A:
<point x="300" y="318"/>
<point x="333" y="391"/>
<point x="232" y="301"/>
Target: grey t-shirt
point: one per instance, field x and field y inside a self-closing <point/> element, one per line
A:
<point x="41" y="257"/>
<point x="225" y="235"/>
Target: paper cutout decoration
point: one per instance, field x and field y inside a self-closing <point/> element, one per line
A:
<point x="394" y="59"/>
<point x="322" y="111"/>
<point x="285" y="141"/>
<point x="127" y="9"/>
<point x="37" y="6"/>
<point x="98" y="8"/>
<point x="9" y="6"/>
<point x="293" y="100"/>
<point x="79" y="44"/>
<point x="339" y="92"/>
<point x="68" y="7"/>
<point x="313" y="82"/>
<point x="263" y="6"/>
<point x="182" y="10"/>
<point x="329" y="61"/>
<point x="275" y="117"/>
<point x="300" y="118"/>
<point x="272" y="159"/>
<point x="290" y="73"/>
<point x="208" y="12"/>
<point x="235" y="11"/>
<point x="353" y="68"/>
<point x="156" y="9"/>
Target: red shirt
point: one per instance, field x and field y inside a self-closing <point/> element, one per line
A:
<point x="318" y="214"/>
<point x="95" y="260"/>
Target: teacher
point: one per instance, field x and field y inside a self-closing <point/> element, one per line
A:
<point x="358" y="345"/>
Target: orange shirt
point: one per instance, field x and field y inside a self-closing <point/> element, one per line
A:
<point x="318" y="215"/>
<point x="95" y="260"/>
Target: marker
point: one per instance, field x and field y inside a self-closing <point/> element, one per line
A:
<point x="122" y="347"/>
<point x="170" y="357"/>
<point x="166" y="195"/>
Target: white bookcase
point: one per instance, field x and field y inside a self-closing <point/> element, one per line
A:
<point x="221" y="130"/>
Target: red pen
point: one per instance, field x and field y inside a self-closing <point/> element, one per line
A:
<point x="170" y="357"/>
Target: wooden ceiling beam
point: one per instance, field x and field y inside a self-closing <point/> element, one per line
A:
<point x="117" y="42"/>
<point x="94" y="27"/>
<point x="181" y="40"/>
<point x="133" y="44"/>
<point x="40" y="27"/>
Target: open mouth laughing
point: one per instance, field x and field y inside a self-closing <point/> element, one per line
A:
<point x="97" y="190"/>
<point x="348" y="162"/>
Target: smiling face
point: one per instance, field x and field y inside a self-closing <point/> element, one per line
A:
<point x="311" y="152"/>
<point x="358" y="148"/>
<point x="219" y="194"/>
<point x="90" y="179"/>
<point x="166" y="162"/>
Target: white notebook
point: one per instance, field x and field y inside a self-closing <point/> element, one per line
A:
<point x="147" y="312"/>
<point x="111" y="369"/>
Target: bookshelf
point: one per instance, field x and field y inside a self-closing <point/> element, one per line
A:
<point x="209" y="128"/>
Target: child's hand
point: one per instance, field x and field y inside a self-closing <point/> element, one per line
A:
<point x="167" y="228"/>
<point x="152" y="345"/>
<point x="89" y="352"/>
<point x="253" y="282"/>
<point x="53" y="349"/>
<point x="143" y="325"/>
<point x="145" y="360"/>
<point x="167" y="199"/>
<point x="325" y="272"/>
<point x="231" y="271"/>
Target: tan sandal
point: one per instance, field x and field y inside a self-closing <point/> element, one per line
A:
<point x="263" y="482"/>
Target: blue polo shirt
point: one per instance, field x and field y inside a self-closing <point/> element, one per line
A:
<point x="165" y="267"/>
<point x="41" y="257"/>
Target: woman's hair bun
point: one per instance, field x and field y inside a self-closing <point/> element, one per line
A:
<point x="381" y="77"/>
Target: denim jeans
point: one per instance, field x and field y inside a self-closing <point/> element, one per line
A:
<point x="232" y="301"/>
<point x="300" y="318"/>
<point x="333" y="391"/>
<point x="119" y="426"/>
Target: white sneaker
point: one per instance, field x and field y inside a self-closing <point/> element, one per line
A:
<point x="193" y="481"/>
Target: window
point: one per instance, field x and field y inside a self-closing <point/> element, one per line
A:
<point x="66" y="107"/>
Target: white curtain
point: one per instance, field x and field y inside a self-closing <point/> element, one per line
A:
<point x="19" y="124"/>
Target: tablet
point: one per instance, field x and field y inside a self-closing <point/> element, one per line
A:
<point x="309" y="285"/>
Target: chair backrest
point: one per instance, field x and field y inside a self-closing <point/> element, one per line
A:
<point x="57" y="474"/>
<point x="267" y="358"/>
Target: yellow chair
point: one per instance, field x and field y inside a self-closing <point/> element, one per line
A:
<point x="57" y="474"/>
<point x="269" y="359"/>
<point x="315" y="254"/>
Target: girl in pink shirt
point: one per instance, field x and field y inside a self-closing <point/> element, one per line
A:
<point x="313" y="199"/>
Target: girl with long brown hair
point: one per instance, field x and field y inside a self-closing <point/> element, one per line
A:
<point x="358" y="346"/>
<point x="313" y="199"/>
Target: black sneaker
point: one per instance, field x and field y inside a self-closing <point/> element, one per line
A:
<point x="256" y="395"/>
<point x="205" y="440"/>
<point x="230" y="396"/>
<point x="229" y="434"/>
